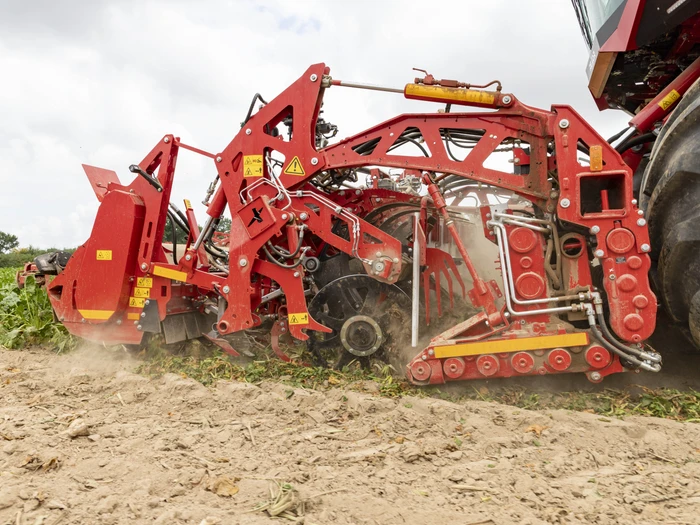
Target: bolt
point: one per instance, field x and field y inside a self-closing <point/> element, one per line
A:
<point x="486" y="323"/>
<point x="641" y="222"/>
<point x="563" y="123"/>
<point x="431" y="352"/>
<point x="358" y="192"/>
<point x="379" y="266"/>
<point x="640" y="212"/>
<point x="599" y="253"/>
<point x="119" y="321"/>
<point x="595" y="229"/>
<point x="296" y="274"/>
<point x="611" y="276"/>
<point x="218" y="159"/>
<point x="378" y="254"/>
<point x="522" y="321"/>
<point x="506" y="315"/>
<point x="595" y="376"/>
<point x="142" y="315"/>
<point x="488" y="215"/>
<point x="314" y="161"/>
<point x="139" y="327"/>
<point x="396" y="260"/>
<point x="82" y="320"/>
<point x="188" y="257"/>
<point x="166" y="140"/>
<point x="243" y="262"/>
<point x="634" y="201"/>
<point x="144" y="266"/>
<point x="226" y="289"/>
<point x="248" y="132"/>
<point x="565" y="203"/>
<point x="284" y="216"/>
<point x="424" y="357"/>
<point x="645" y="247"/>
<point x="147" y="302"/>
<point x="313" y="78"/>
<point x="507" y="99"/>
<point x="303" y="216"/>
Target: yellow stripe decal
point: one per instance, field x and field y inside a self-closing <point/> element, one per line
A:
<point x="170" y="274"/>
<point x="96" y="314"/>
<point x="133" y="315"/>
<point x="512" y="345"/>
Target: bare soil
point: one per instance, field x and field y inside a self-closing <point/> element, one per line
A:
<point x="173" y="451"/>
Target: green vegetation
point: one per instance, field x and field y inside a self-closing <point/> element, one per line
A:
<point x="207" y="366"/>
<point x="26" y="317"/>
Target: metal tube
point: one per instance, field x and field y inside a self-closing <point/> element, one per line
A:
<point x="203" y="234"/>
<point x="415" y="285"/>
<point x="371" y="87"/>
<point x="507" y="284"/>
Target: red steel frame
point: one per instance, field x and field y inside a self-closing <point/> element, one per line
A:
<point x="622" y="239"/>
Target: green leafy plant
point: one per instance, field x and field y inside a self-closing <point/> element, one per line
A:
<point x="26" y="317"/>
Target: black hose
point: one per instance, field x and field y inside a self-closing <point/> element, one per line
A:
<point x="613" y="349"/>
<point x="252" y="105"/>
<point x="617" y="135"/>
<point x="635" y="141"/>
<point x="407" y="139"/>
<point x="284" y="253"/>
<point x="273" y="260"/>
<point x="611" y="338"/>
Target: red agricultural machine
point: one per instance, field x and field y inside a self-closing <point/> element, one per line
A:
<point x="508" y="241"/>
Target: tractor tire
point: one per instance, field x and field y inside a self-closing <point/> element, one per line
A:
<point x="670" y="196"/>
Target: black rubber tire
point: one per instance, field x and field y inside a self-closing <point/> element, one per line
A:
<point x="670" y="195"/>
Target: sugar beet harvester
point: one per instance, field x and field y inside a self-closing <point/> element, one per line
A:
<point x="358" y="245"/>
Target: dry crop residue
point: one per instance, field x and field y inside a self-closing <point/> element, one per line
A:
<point x="83" y="439"/>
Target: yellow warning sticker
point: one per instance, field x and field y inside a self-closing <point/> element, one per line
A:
<point x="104" y="255"/>
<point x="188" y="204"/>
<point x="252" y="165"/>
<point x="295" y="168"/>
<point x="137" y="302"/>
<point x="144" y="282"/>
<point x="298" y="318"/>
<point x="669" y="99"/>
<point x="142" y="292"/>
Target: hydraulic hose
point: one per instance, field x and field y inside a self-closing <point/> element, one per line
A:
<point x="630" y="143"/>
<point x="623" y="348"/>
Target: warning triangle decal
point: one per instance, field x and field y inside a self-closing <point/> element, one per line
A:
<point x="294" y="167"/>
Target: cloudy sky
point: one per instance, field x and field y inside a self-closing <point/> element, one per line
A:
<point x="100" y="82"/>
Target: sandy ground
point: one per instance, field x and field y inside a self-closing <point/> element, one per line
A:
<point x="173" y="451"/>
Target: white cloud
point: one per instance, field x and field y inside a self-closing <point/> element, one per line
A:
<point x="101" y="82"/>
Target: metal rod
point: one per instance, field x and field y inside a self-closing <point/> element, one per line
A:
<point x="415" y="285"/>
<point x="203" y="233"/>
<point x="371" y="87"/>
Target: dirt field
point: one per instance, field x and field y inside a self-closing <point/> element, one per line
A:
<point x="173" y="451"/>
